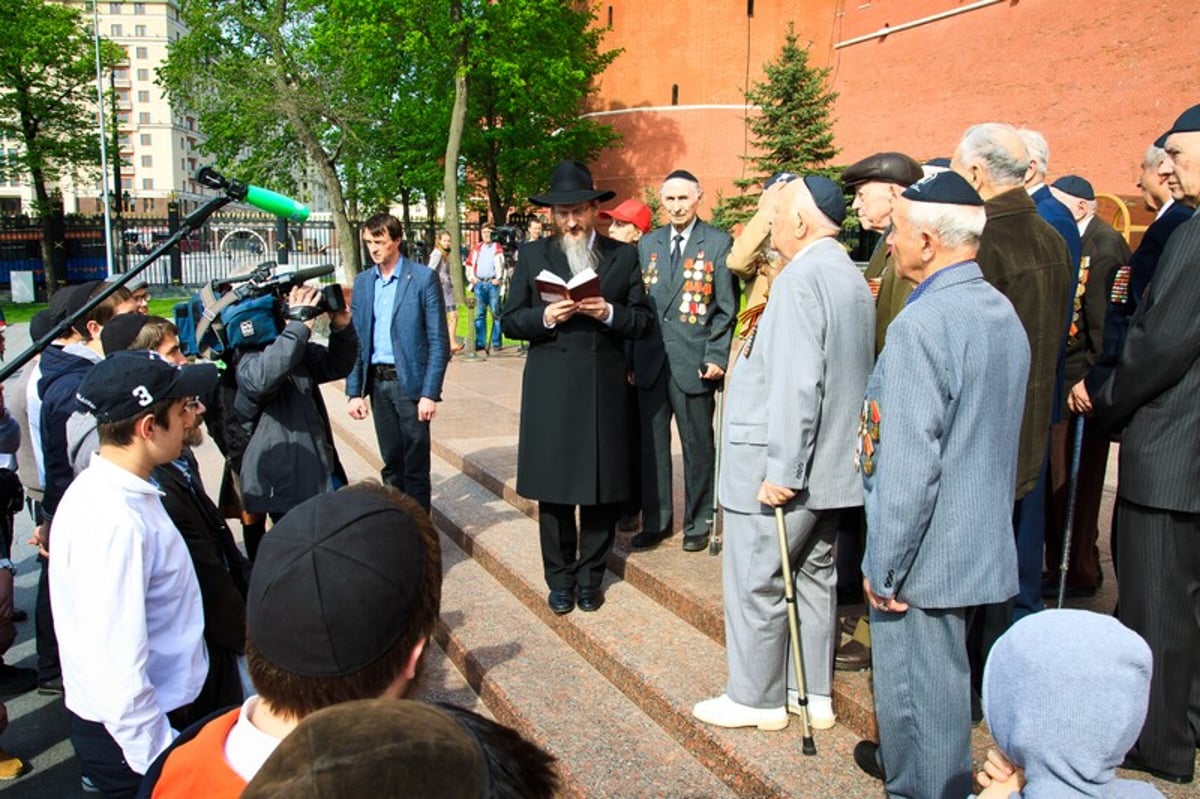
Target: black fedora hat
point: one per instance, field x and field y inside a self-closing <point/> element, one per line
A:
<point x="571" y="183"/>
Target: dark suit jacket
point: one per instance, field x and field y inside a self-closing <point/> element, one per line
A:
<point x="1104" y="252"/>
<point x="893" y="289"/>
<point x="1152" y="393"/>
<point x="574" y="439"/>
<point x="678" y="344"/>
<point x="1028" y="262"/>
<point x="1142" y="265"/>
<point x="420" y="342"/>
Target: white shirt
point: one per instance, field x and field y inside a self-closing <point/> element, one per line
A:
<point x="1164" y="208"/>
<point x="127" y="610"/>
<point x="247" y="747"/>
<point x="686" y="233"/>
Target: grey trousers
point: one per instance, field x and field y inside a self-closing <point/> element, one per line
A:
<point x="757" y="645"/>
<point x="922" y="687"/>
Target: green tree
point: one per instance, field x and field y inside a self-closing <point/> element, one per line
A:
<point x="792" y="132"/>
<point x="48" y="101"/>
<point x="532" y="63"/>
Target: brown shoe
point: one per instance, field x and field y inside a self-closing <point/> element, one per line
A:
<point x="11" y="767"/>
<point x="850" y="622"/>
<point x="852" y="656"/>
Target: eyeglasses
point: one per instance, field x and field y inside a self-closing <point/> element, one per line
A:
<point x="194" y="405"/>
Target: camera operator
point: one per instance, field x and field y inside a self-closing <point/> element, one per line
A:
<point x="291" y="456"/>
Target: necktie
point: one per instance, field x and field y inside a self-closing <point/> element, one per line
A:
<point x="676" y="255"/>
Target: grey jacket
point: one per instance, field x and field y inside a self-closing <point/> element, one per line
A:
<point x="290" y="457"/>
<point x="797" y="386"/>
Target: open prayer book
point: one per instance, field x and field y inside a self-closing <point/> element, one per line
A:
<point x="553" y="288"/>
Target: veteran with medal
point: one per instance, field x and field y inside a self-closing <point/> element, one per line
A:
<point x="678" y="366"/>
<point x="788" y="442"/>
<point x="938" y="451"/>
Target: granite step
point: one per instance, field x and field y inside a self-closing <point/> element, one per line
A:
<point x="687" y="584"/>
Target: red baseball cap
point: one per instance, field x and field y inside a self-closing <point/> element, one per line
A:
<point x="632" y="212"/>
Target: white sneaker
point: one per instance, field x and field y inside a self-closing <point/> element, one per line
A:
<point x="820" y="709"/>
<point x="724" y="712"/>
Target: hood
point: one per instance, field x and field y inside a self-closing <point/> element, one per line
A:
<point x="1065" y="695"/>
<point x="57" y="362"/>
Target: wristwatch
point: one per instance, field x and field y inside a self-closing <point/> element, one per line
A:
<point x="5" y="563"/>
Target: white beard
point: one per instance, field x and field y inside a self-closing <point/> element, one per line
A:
<point x="579" y="255"/>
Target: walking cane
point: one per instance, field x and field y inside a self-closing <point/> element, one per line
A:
<point x="789" y="595"/>
<point x="714" y="538"/>
<point x="1076" y="451"/>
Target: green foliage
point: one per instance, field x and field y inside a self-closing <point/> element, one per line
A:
<point x="48" y="92"/>
<point x="793" y="131"/>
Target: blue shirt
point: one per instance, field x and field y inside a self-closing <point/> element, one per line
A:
<point x="381" y="330"/>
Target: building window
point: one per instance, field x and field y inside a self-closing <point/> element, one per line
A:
<point x="127" y="183"/>
<point x="123" y="117"/>
<point x="145" y="139"/>
<point x="144" y="118"/>
<point x="139" y="8"/>
<point x="140" y="52"/>
<point x="115" y="30"/>
<point x="114" y="8"/>
<point x="139" y="31"/>
<point x="143" y="74"/>
<point x="147" y="183"/>
<point x="120" y="73"/>
<point x="123" y="141"/>
<point x="143" y="96"/>
<point x="147" y="160"/>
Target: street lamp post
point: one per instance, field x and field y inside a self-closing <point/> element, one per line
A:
<point x="104" y="187"/>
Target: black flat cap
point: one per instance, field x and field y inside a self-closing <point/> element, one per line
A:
<point x="1075" y="186"/>
<point x="895" y="168"/>
<point x="949" y="188"/>
<point x="1188" y="122"/>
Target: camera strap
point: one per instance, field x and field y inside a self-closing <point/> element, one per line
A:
<point x="210" y="316"/>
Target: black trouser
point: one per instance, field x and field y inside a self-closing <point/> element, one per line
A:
<point x="101" y="759"/>
<point x="403" y="441"/>
<point x="694" y="417"/>
<point x="48" y="666"/>
<point x="561" y="540"/>
<point x="1160" y="601"/>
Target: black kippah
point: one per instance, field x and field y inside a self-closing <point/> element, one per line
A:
<point x="681" y="173"/>
<point x="949" y="188"/>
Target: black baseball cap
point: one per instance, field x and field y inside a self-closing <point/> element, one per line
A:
<point x="128" y="382"/>
<point x="335" y="583"/>
<point x="69" y="299"/>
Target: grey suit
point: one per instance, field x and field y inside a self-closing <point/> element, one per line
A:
<point x="694" y="307"/>
<point x="938" y="445"/>
<point x="1151" y="395"/>
<point x="791" y="414"/>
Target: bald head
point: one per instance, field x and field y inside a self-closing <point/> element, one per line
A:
<point x="992" y="158"/>
<point x="798" y="221"/>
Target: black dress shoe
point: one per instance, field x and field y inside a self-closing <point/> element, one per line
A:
<point x="695" y="543"/>
<point x="648" y="540"/>
<point x="20" y="615"/>
<point x="51" y="687"/>
<point x="629" y="522"/>
<point x="1133" y="763"/>
<point x="590" y="599"/>
<point x="14" y="680"/>
<point x="852" y="656"/>
<point x="866" y="756"/>
<point x="561" y="600"/>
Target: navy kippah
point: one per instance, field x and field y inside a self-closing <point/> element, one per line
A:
<point x="681" y="173"/>
<point x="944" y="163"/>
<point x="949" y="188"/>
<point x="778" y="177"/>
<point x="1075" y="186"/>
<point x="828" y="197"/>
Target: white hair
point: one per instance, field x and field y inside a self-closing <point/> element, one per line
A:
<point x="985" y="143"/>
<point x="1154" y="156"/>
<point x="954" y="225"/>
<point x="1039" y="150"/>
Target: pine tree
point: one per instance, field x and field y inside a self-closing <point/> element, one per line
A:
<point x="792" y="132"/>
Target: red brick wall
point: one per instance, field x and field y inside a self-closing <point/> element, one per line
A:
<point x="1100" y="78"/>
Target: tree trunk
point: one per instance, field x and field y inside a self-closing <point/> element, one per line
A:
<point x="458" y="116"/>
<point x="51" y="234"/>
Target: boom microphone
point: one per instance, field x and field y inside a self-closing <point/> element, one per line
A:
<point x="272" y="202"/>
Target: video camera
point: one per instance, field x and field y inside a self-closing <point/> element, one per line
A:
<point x="509" y="237"/>
<point x="249" y="310"/>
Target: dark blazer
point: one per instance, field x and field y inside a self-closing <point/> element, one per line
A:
<point x="420" y="342"/>
<point x="1142" y="265"/>
<point x="1104" y="252"/>
<point x="893" y="289"/>
<point x="1028" y="262"/>
<point x="1152" y="393"/>
<point x="1059" y="217"/>
<point x="676" y="343"/>
<point x="574" y="437"/>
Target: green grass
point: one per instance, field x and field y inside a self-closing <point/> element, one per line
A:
<point x="16" y="314"/>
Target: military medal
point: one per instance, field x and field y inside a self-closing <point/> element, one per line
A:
<point x="1120" y="287"/>
<point x="650" y="276"/>
<point x="1085" y="264"/>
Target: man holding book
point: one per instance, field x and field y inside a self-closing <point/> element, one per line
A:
<point x="576" y="297"/>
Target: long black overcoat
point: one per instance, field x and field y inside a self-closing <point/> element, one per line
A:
<point x="575" y="431"/>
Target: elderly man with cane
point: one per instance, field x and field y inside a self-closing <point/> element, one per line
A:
<point x="937" y="447"/>
<point x="788" y="444"/>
